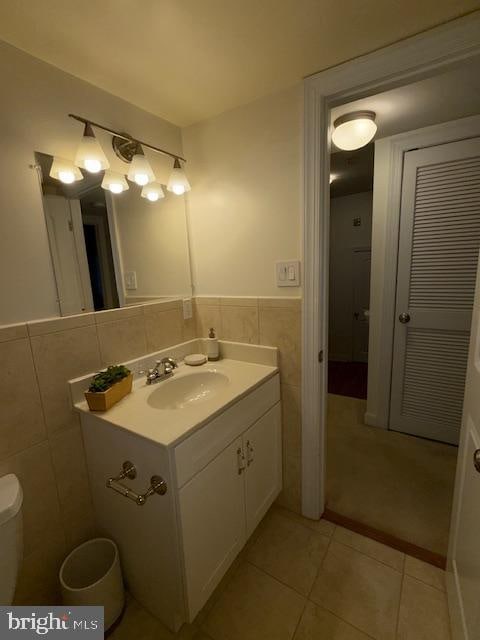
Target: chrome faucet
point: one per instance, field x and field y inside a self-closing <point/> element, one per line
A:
<point x="163" y="369"/>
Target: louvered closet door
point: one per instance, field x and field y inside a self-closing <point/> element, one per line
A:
<point x="438" y="255"/>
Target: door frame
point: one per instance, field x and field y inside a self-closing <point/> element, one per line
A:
<point x="389" y="153"/>
<point x="410" y="60"/>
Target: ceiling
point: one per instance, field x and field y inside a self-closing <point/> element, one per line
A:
<point x="448" y="96"/>
<point x="187" y="60"/>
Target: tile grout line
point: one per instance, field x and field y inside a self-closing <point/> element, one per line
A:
<point x="335" y="615"/>
<point x="400" y="604"/>
<point x="385" y="564"/>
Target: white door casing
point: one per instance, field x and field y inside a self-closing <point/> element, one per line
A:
<point x="463" y="566"/>
<point x="437" y="263"/>
<point x="414" y="58"/>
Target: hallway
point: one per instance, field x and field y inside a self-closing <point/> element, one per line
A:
<point x="396" y="483"/>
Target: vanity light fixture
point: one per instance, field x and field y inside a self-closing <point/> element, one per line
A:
<point x="178" y="181"/>
<point x="354" y="130"/>
<point x="153" y="192"/>
<point x="114" y="182"/>
<point x="90" y="155"/>
<point x="65" y="171"/>
<point x="130" y="150"/>
<point x="140" y="170"/>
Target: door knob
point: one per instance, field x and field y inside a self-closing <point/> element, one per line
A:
<point x="476" y="460"/>
<point x="404" y="318"/>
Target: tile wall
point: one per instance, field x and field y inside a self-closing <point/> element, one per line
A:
<point x="40" y="438"/>
<point x="273" y="322"/>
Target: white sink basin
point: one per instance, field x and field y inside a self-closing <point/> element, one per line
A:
<point x="188" y="390"/>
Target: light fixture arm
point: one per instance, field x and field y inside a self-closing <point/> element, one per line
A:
<point x="118" y="134"/>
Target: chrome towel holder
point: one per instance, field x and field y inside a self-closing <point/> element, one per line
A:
<point x="157" y="485"/>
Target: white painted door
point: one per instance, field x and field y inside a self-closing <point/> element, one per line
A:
<point x="438" y="252"/>
<point x="63" y="245"/>
<point x="463" y="570"/>
<point x="212" y="516"/>
<point x="362" y="260"/>
<point x="263" y="456"/>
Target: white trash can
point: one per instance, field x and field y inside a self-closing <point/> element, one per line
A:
<point x="91" y="575"/>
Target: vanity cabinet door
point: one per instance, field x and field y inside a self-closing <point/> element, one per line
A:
<point x="212" y="517"/>
<point x="263" y="477"/>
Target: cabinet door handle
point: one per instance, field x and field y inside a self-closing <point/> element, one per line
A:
<point x="249" y="453"/>
<point x="240" y="461"/>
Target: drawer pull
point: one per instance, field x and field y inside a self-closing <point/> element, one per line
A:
<point x="249" y="453"/>
<point x="240" y="461"/>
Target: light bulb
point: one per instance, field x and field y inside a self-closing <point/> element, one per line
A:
<point x="90" y="154"/>
<point x="354" y="130"/>
<point x="178" y="181"/>
<point x="140" y="170"/>
<point x="66" y="176"/>
<point x="114" y="182"/>
<point x="65" y="171"/>
<point x="141" y="179"/>
<point x="92" y="165"/>
<point x="152" y="192"/>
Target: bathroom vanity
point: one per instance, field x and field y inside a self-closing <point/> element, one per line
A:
<point x="212" y="436"/>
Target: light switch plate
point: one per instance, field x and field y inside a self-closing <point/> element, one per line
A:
<point x="130" y="280"/>
<point x="187" y="309"/>
<point x="287" y="273"/>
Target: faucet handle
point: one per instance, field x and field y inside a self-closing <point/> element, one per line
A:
<point x="169" y="361"/>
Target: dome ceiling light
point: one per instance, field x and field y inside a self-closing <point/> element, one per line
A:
<point x="354" y="130"/>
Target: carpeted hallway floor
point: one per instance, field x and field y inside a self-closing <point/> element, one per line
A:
<point x="396" y="483"/>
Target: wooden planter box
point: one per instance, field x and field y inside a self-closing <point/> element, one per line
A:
<point x="103" y="400"/>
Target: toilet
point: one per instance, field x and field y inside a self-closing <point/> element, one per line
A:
<point x="11" y="538"/>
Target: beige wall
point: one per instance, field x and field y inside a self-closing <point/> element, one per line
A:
<point x="245" y="205"/>
<point x="36" y="99"/>
<point x="344" y="237"/>
<point x="40" y="438"/>
<point x="153" y="243"/>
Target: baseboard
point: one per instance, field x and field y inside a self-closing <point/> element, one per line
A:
<point x="370" y="419"/>
<point x="436" y="559"/>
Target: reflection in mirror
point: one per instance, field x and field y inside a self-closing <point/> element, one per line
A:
<point x="113" y="250"/>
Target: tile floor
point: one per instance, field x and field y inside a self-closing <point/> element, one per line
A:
<point x="312" y="581"/>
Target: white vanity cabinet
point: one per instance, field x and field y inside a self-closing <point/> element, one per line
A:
<point x="222" y="504"/>
<point x="222" y="476"/>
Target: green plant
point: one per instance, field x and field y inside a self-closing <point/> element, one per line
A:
<point x="106" y="379"/>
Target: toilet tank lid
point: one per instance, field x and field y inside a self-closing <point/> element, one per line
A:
<point x="11" y="497"/>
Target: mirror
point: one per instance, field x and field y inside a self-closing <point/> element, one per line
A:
<point x="113" y="250"/>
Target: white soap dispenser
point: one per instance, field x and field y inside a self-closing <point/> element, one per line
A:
<point x="213" y="352"/>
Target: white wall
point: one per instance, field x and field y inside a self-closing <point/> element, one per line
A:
<point x="36" y="99"/>
<point x="344" y="237"/>
<point x="246" y="199"/>
<point x="153" y="243"/>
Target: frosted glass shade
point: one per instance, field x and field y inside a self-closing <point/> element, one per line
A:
<point x="140" y="170"/>
<point x="354" y="130"/>
<point x="114" y="182"/>
<point x="178" y="181"/>
<point x="153" y="192"/>
<point x="90" y="155"/>
<point x="65" y="171"/>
